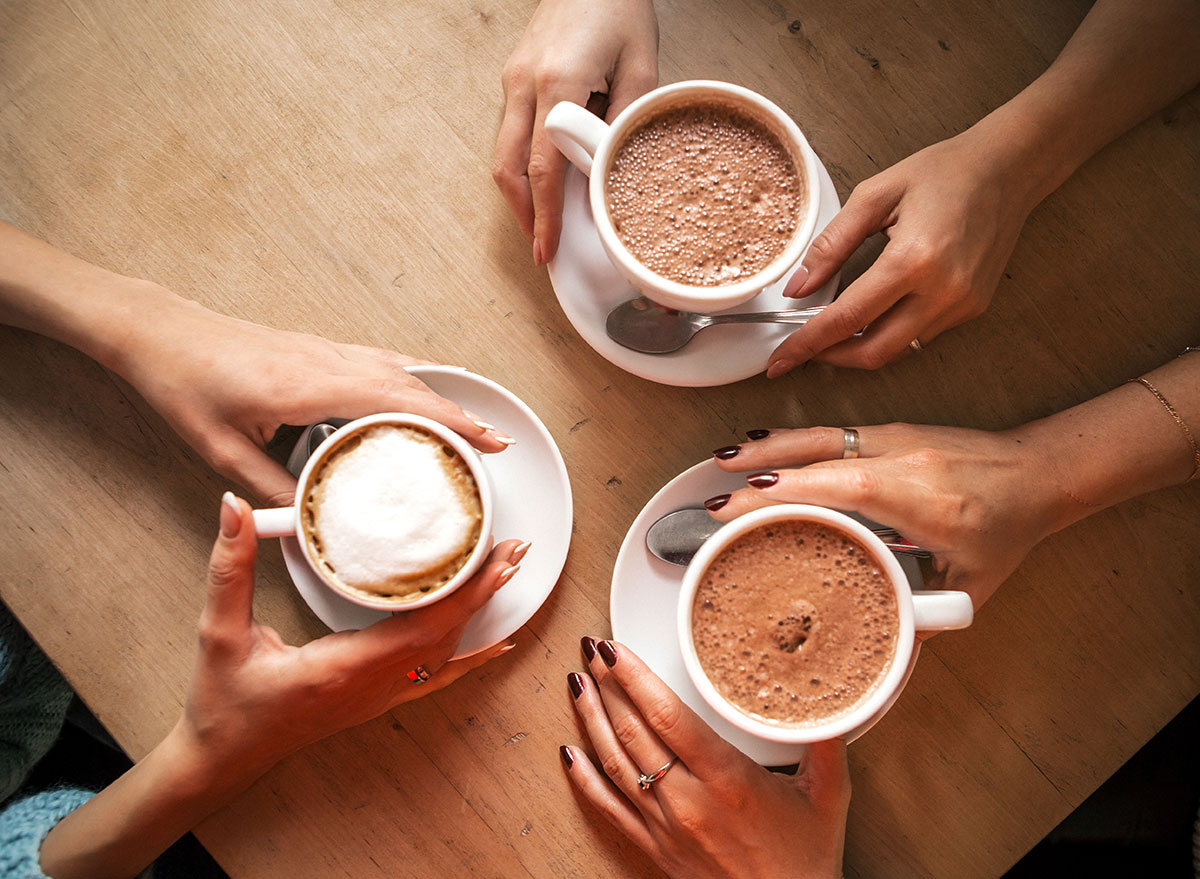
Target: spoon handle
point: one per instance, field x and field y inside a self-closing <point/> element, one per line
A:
<point x="800" y="316"/>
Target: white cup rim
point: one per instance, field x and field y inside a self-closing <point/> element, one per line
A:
<point x="672" y="292"/>
<point x="876" y="699"/>
<point x="474" y="463"/>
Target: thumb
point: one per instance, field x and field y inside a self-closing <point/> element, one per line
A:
<point x="229" y="609"/>
<point x="865" y="213"/>
<point x="825" y="773"/>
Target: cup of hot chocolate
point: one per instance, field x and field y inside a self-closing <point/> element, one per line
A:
<point x="797" y="624"/>
<point x="393" y="511"/>
<point x="703" y="193"/>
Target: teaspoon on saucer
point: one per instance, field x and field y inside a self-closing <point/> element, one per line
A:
<point x="677" y="536"/>
<point x="641" y="325"/>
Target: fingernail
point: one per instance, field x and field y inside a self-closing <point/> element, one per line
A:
<point x="567" y="756"/>
<point x="575" y="682"/>
<point x="757" y="434"/>
<point x="588" y="646"/>
<point x="503" y="648"/>
<point x="231" y="515"/>
<point x="505" y="438"/>
<point x="726" y="452"/>
<point x="519" y="552"/>
<point x="537" y="252"/>
<point x="507" y="575"/>
<point x="715" y="503"/>
<point x="607" y="652"/>
<point x="796" y="283"/>
<point x="762" y="480"/>
<point x="779" y="367"/>
<point x="479" y="422"/>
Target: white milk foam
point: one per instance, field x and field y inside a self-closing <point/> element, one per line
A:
<point x="393" y="510"/>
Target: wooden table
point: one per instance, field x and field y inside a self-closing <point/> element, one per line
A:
<point x="325" y="167"/>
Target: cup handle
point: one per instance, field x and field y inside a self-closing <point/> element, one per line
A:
<point x="275" y="522"/>
<point x="576" y="132"/>
<point x="940" y="610"/>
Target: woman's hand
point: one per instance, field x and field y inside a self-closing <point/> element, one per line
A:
<point x="257" y="699"/>
<point x="978" y="501"/>
<point x="571" y="50"/>
<point x="952" y="213"/>
<point x="715" y="813"/>
<point x="226" y="385"/>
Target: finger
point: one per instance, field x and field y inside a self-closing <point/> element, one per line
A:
<point x="407" y="691"/>
<point x="394" y="639"/>
<point x="234" y="456"/>
<point x="825" y="774"/>
<point x="392" y="359"/>
<point x="887" y="339"/>
<point x="632" y="79"/>
<point x="229" y="608"/>
<point x="547" y="167"/>
<point x="672" y="723"/>
<point x="861" y="303"/>
<point x="866" y="212"/>
<point x="859" y="486"/>
<point x="510" y="166"/>
<point x="598" y="791"/>
<point x="802" y="446"/>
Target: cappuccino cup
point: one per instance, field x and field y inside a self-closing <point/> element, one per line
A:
<point x="392" y="511"/>
<point x="797" y="624"/>
<point x="703" y="193"/>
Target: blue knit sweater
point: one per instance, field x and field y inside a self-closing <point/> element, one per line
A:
<point x="33" y="704"/>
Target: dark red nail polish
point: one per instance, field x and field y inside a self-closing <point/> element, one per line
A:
<point x="607" y="652"/>
<point x="715" y="503"/>
<point x="727" y="452"/>
<point x="567" y="756"/>
<point x="757" y="434"/>
<point x="575" y="682"/>
<point x="588" y="646"/>
<point x="762" y="480"/>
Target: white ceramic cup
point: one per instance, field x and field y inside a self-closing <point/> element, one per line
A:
<point x="285" y="521"/>
<point x="589" y="144"/>
<point x="935" y="610"/>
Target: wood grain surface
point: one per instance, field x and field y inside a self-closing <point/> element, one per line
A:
<point x="324" y="166"/>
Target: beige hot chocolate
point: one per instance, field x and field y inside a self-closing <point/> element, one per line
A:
<point x="795" y="624"/>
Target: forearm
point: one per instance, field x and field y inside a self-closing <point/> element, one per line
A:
<point x="47" y="291"/>
<point x="1120" y="445"/>
<point x="1127" y="59"/>
<point x="127" y="825"/>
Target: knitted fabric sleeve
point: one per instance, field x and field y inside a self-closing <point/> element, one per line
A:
<point x="24" y="823"/>
<point x="33" y="704"/>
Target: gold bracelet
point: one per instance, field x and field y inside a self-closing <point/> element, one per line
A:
<point x="1182" y="424"/>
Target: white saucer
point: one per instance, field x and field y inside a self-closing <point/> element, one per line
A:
<point x="642" y="607"/>
<point x="532" y="502"/>
<point x="588" y="287"/>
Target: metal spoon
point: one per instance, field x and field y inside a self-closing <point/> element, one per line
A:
<point x="677" y="536"/>
<point x="643" y="326"/>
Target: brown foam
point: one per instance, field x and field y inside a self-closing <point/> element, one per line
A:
<point x="795" y="624"/>
<point x="704" y="194"/>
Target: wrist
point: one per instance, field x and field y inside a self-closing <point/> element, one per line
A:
<point x="207" y="766"/>
<point x="1052" y="482"/>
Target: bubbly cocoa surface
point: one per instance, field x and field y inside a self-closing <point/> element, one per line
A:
<point x="795" y="624"/>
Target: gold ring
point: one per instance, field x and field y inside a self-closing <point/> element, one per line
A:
<point x="916" y="345"/>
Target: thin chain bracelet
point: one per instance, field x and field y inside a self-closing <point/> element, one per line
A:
<point x="1187" y="431"/>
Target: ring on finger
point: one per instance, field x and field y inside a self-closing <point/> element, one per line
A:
<point x="644" y="781"/>
<point x="916" y="345"/>
<point x="419" y="675"/>
<point x="850" y="442"/>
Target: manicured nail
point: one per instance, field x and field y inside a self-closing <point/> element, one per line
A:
<point x="503" y="648"/>
<point x="779" y="367"/>
<point x="715" y="503"/>
<point x="505" y="438"/>
<point x="588" y="646"/>
<point x="607" y="652"/>
<point x="566" y="755"/>
<point x="231" y="515"/>
<point x="506" y="575"/>
<point x="726" y="452"/>
<point x="575" y="682"/>
<point x="762" y="480"/>
<point x="519" y="552"/>
<point x="537" y="252"/>
<point x="757" y="434"/>
<point x="796" y="283"/>
<point x="479" y="422"/>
